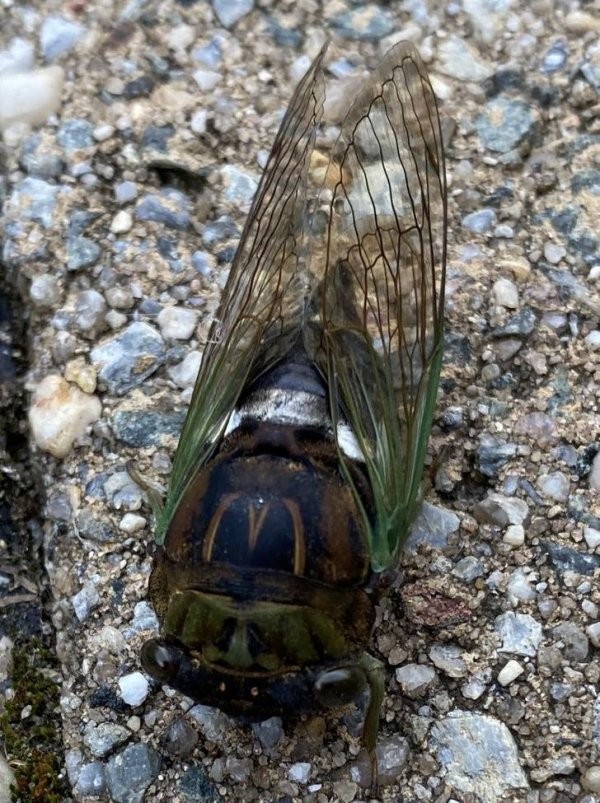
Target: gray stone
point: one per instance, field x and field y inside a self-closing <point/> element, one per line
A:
<point x="458" y="60"/>
<point x="555" y="57"/>
<point x="144" y="621"/>
<point x="269" y="732"/>
<point x="575" y="642"/>
<point x="59" y="35"/>
<point x="170" y="207"/>
<point x="501" y="510"/>
<point x="480" y="222"/>
<point x="432" y="526"/>
<point x="34" y="200"/>
<point x="125" y="192"/>
<point x="180" y="739"/>
<point x="493" y="453"/>
<point x="219" y="231"/>
<point x="90" y="313"/>
<point x="102" y="738"/>
<point x="82" y="253"/>
<point x="213" y="723"/>
<point x="128" y="359"/>
<point x="447" y="657"/>
<point x="195" y="787"/>
<point x="505" y="123"/>
<point x="520" y="633"/>
<point x="231" y="11"/>
<point x="479" y="756"/>
<point x="90" y="780"/>
<point x="566" y="559"/>
<point x="555" y="486"/>
<point x="85" y="601"/>
<point x="364" y="23"/>
<point x="468" y="569"/>
<point x="145" y="428"/>
<point x="74" y="135"/>
<point x="239" y="187"/>
<point x="130" y="773"/>
<point x="521" y="325"/>
<point x="415" y="679"/>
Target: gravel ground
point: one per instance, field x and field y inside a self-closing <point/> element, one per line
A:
<point x="121" y="215"/>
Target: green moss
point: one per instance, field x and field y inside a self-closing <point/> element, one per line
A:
<point x="33" y="744"/>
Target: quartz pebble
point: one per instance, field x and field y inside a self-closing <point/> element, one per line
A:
<point x="510" y="671"/>
<point x="231" y="11"/>
<point x="60" y="413"/>
<point x="520" y="633"/>
<point x="133" y="688"/>
<point x="415" y="679"/>
<point x="30" y="97"/>
<point x="177" y="323"/>
<point x="506" y="293"/>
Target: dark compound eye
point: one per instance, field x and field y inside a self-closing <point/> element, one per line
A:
<point x="160" y="660"/>
<point x="339" y="686"/>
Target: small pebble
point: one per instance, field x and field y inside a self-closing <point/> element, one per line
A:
<point x="231" y="11"/>
<point x="555" y="486"/>
<point x="85" y="601"/>
<point x="300" y="772"/>
<point x="509" y="672"/>
<point x="58" y="36"/>
<point x="184" y="373"/>
<point x="415" y="679"/>
<point x="506" y="293"/>
<point x="121" y="222"/>
<point x="125" y="192"/>
<point x="133" y="688"/>
<point x="45" y="291"/>
<point x="514" y="535"/>
<point x="132" y="523"/>
<point x="60" y="413"/>
<point x="177" y="323"/>
<point x="591" y="779"/>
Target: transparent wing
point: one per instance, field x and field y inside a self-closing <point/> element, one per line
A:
<point x="375" y="326"/>
<point x="261" y="307"/>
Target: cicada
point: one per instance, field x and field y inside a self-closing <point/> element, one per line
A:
<point x="298" y="467"/>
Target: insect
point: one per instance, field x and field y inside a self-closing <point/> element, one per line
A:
<point x="298" y="468"/>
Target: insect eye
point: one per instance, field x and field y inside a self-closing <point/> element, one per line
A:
<point x="339" y="686"/>
<point x="160" y="660"/>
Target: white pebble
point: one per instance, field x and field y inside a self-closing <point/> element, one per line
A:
<point x="592" y="537"/>
<point x="514" y="535"/>
<point x="299" y="772"/>
<point x="133" y="688"/>
<point x="591" y="779"/>
<point x="198" y="122"/>
<point x="122" y="222"/>
<point x="30" y="97"/>
<point x="594" y="478"/>
<point x="184" y="373"/>
<point x="593" y="632"/>
<point x="177" y="323"/>
<point x="60" y="413"/>
<point x="509" y="672"/>
<point x="206" y="79"/>
<point x="45" y="291"/>
<point x="132" y="523"/>
<point x="592" y="339"/>
<point x="506" y="294"/>
<point x="103" y="132"/>
<point x="554" y="253"/>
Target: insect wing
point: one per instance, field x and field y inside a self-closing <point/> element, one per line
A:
<point x="260" y="312"/>
<point x="376" y="325"/>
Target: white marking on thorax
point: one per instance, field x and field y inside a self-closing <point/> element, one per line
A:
<point x="294" y="408"/>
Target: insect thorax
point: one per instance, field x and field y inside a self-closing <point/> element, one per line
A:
<point x="265" y="561"/>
